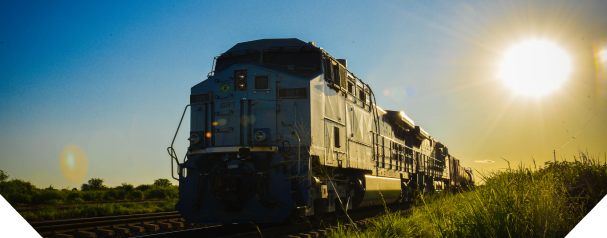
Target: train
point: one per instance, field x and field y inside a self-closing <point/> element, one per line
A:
<point x="280" y="130"/>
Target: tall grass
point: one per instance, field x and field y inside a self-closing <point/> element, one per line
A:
<point x="518" y="202"/>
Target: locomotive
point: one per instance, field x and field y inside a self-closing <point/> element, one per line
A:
<point x="280" y="129"/>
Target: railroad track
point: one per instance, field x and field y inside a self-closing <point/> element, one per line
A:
<point x="110" y="226"/>
<point x="170" y="224"/>
<point x="304" y="229"/>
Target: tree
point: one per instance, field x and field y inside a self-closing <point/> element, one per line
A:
<point x="3" y="176"/>
<point x="93" y="184"/>
<point x="163" y="183"/>
<point x="84" y="187"/>
<point x="126" y="187"/>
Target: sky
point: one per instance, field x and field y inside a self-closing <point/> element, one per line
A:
<point x="102" y="86"/>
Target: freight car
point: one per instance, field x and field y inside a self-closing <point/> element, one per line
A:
<point x="280" y="129"/>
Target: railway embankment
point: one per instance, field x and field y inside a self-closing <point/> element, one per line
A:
<point x="520" y="201"/>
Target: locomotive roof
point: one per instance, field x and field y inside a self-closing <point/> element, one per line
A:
<point x="269" y="43"/>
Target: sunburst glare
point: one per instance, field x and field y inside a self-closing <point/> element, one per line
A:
<point x="535" y="67"/>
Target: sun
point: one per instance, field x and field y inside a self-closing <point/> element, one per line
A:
<point x="535" y="67"/>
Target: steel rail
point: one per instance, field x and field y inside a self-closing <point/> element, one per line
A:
<point x="69" y="225"/>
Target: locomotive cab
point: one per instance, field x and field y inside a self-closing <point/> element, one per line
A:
<point x="281" y="129"/>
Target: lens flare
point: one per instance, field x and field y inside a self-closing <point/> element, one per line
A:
<point x="222" y="122"/>
<point x="387" y="92"/>
<point x="73" y="163"/>
<point x="70" y="160"/>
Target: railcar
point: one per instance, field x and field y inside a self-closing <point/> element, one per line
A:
<point x="281" y="129"/>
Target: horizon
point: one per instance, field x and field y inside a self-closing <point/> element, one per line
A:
<point x="112" y="79"/>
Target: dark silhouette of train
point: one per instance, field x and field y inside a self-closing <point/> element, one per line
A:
<point x="280" y="129"/>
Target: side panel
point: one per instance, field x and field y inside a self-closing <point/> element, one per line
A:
<point x="317" y="114"/>
<point x="335" y="128"/>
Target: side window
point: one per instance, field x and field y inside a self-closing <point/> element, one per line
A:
<point x="361" y="95"/>
<point x="350" y="87"/>
<point x="336" y="136"/>
<point x="328" y="69"/>
<point x="342" y="76"/>
<point x="261" y="82"/>
<point x="336" y="74"/>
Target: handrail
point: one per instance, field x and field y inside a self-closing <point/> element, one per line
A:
<point x="172" y="152"/>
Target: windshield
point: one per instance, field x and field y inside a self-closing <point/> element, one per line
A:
<point x="299" y="60"/>
<point x="244" y="57"/>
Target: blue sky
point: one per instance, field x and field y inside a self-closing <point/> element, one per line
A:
<point x="113" y="78"/>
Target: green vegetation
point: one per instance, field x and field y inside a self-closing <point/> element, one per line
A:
<point x="21" y="194"/>
<point x="3" y="176"/>
<point x="94" y="210"/>
<point x="520" y="202"/>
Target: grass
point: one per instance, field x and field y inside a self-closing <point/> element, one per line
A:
<point x="519" y="202"/>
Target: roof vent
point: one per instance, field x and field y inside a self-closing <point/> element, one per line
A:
<point x="344" y="62"/>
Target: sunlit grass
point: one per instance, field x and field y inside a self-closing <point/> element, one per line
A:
<point x="518" y="202"/>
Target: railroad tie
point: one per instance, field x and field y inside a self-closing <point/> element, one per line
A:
<point x="61" y="236"/>
<point x="136" y="229"/>
<point x="176" y="224"/>
<point x="84" y="234"/>
<point x="303" y="235"/>
<point x="164" y="226"/>
<point x="104" y="232"/>
<point x="149" y="227"/>
<point x="120" y="230"/>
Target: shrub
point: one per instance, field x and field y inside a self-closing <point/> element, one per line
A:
<point x="48" y="196"/>
<point x="136" y="195"/>
<point x="161" y="193"/>
<point x="126" y="187"/>
<point x="92" y="195"/>
<point x="17" y="186"/>
<point x="73" y="196"/>
<point x="121" y="195"/>
<point x="144" y="187"/>
<point x="17" y="198"/>
<point x="110" y="195"/>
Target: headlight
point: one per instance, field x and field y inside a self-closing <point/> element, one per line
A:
<point x="194" y="139"/>
<point x="240" y="80"/>
<point x="261" y="136"/>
